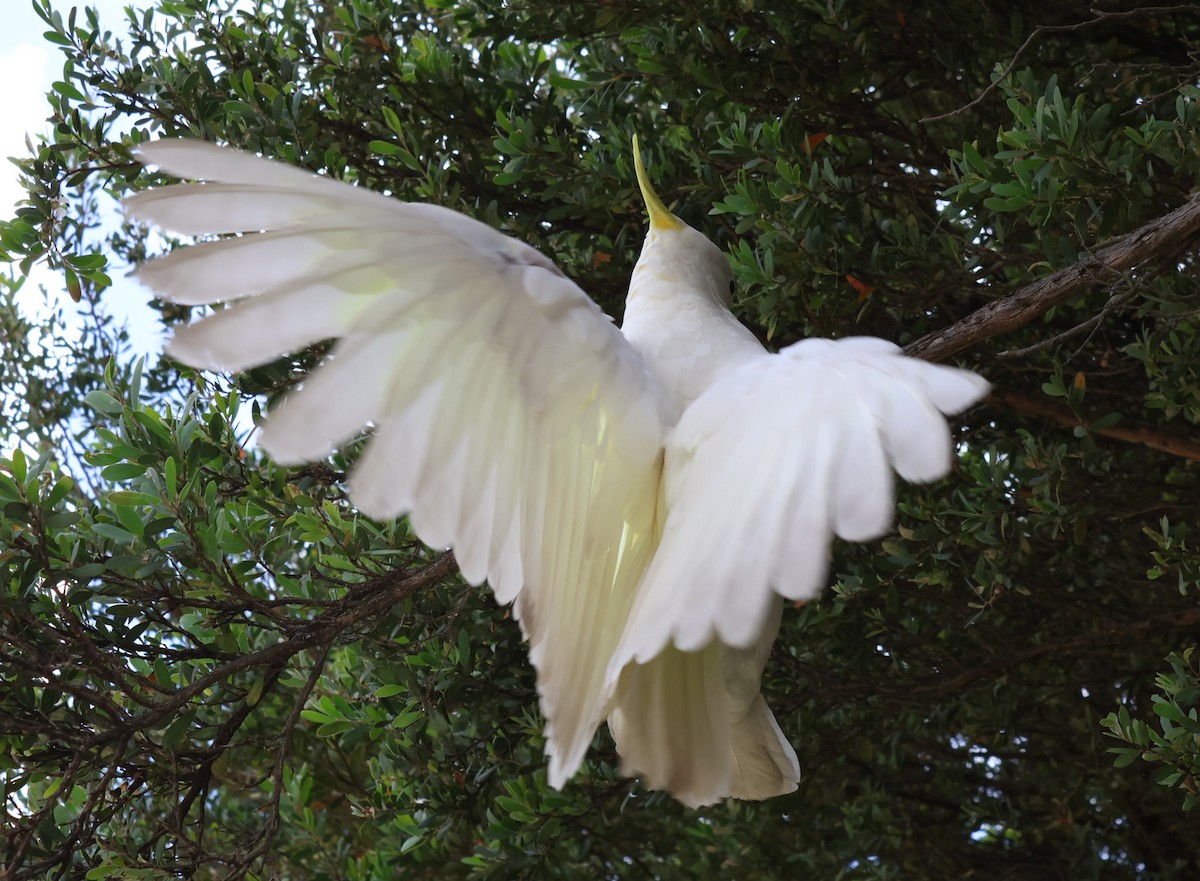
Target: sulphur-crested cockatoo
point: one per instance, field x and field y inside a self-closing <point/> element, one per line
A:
<point x="642" y="495"/>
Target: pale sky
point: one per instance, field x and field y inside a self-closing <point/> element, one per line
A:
<point x="28" y="65"/>
<point x="23" y="70"/>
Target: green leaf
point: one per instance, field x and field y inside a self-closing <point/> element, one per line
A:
<point x="1125" y="756"/>
<point x="129" y="497"/>
<point x="123" y="471"/>
<point x="170" y="477"/>
<point x="102" y="402"/>
<point x="62" y="487"/>
<point x="337" y="726"/>
<point x="114" y="533"/>
<point x="1168" y="710"/>
<point x="19" y="467"/>
<point x="1010" y="203"/>
<point x="568" y="84"/>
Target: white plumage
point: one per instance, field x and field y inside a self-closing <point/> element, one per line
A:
<point x="640" y="494"/>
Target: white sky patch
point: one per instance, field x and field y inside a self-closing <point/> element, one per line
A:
<point x="24" y="70"/>
<point x="28" y="67"/>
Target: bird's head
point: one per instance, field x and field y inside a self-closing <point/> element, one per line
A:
<point x="676" y="259"/>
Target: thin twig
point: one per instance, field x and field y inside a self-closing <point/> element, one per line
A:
<point x="1114" y="302"/>
<point x="1179" y="619"/>
<point x="1099" y="16"/>
<point x="267" y="835"/>
<point x="368" y="601"/>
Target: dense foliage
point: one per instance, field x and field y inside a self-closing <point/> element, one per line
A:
<point x="211" y="666"/>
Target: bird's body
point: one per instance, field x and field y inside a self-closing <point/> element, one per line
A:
<point x="641" y="495"/>
<point x="678" y="319"/>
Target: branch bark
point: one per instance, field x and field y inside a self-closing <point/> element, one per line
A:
<point x="1154" y="438"/>
<point x="1163" y="238"/>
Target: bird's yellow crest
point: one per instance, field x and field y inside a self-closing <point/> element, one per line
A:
<point x="660" y="215"/>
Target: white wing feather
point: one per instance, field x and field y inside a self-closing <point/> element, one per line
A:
<point x="511" y="417"/>
<point x="768" y="465"/>
<point x="762" y="470"/>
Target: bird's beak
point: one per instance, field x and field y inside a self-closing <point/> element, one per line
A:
<point x="660" y="216"/>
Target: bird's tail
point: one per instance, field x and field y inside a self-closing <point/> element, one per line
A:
<point x="671" y="723"/>
<point x="678" y="728"/>
<point x="764" y="763"/>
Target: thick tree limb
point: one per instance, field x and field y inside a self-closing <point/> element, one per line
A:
<point x="1154" y="438"/>
<point x="1163" y="238"/>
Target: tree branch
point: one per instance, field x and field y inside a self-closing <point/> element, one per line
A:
<point x="1164" y="237"/>
<point x="1115" y="301"/>
<point x="367" y="601"/>
<point x="1154" y="438"/>
<point x="837" y="690"/>
<point x="1071" y="646"/>
<point x="103" y="744"/>
<point x="1099" y="16"/>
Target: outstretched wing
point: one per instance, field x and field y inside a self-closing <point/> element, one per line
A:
<point x="512" y="420"/>
<point x="768" y="465"/>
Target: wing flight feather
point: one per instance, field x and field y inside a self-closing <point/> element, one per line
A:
<point x="512" y="420"/>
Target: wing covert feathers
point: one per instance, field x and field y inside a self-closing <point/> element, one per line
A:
<point x="511" y="419"/>
<point x="768" y="465"/>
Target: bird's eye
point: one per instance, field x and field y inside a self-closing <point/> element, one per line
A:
<point x="732" y="287"/>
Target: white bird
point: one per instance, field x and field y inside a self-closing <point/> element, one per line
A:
<point x="642" y="495"/>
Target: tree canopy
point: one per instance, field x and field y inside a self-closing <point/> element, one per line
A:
<point x="213" y="666"/>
